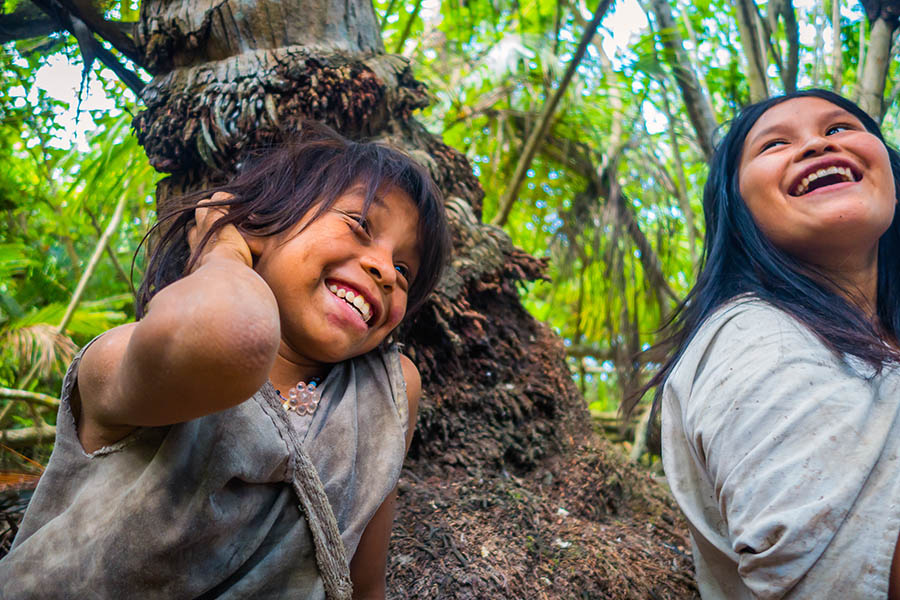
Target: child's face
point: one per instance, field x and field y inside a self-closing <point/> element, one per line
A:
<point x="315" y="273"/>
<point x="817" y="183"/>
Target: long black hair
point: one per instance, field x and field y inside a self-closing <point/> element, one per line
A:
<point x="739" y="259"/>
<point x="276" y="187"/>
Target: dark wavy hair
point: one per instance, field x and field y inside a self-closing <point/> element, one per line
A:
<point x="739" y="259"/>
<point x="276" y="187"/>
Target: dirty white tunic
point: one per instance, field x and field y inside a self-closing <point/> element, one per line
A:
<point x="784" y="459"/>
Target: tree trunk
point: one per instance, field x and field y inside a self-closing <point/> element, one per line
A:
<point x="837" y="48"/>
<point x="871" y="82"/>
<point x="699" y="109"/>
<point x="503" y="437"/>
<point x="792" y="34"/>
<point x="754" y="53"/>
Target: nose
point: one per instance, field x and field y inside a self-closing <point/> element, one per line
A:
<point x="815" y="145"/>
<point x="381" y="268"/>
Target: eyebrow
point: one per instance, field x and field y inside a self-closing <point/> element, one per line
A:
<point x="362" y="190"/>
<point x="780" y="127"/>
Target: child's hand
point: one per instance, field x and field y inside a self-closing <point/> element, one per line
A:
<point x="226" y="242"/>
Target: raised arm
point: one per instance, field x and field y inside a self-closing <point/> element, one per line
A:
<point x="206" y="343"/>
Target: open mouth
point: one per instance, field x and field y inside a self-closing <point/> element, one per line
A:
<point x="353" y="298"/>
<point x="823" y="177"/>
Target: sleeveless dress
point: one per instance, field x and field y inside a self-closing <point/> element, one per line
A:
<point x="235" y="504"/>
<point x="785" y="459"/>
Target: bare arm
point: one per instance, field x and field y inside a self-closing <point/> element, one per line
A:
<point x="369" y="565"/>
<point x="207" y="343"/>
<point x="894" y="581"/>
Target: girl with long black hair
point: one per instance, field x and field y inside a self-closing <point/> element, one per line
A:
<point x="779" y="405"/>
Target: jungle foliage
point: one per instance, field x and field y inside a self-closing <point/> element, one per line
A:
<point x="611" y="196"/>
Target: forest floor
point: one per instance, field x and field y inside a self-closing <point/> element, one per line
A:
<point x="566" y="530"/>
<point x="572" y="528"/>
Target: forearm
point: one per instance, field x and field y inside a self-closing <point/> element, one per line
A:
<point x="210" y="337"/>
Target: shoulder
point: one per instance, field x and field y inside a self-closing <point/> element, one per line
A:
<point x="752" y="354"/>
<point x="747" y="344"/>
<point x="751" y="313"/>
<point x="413" y="392"/>
<point x="745" y="326"/>
<point x="94" y="393"/>
<point x="411" y="377"/>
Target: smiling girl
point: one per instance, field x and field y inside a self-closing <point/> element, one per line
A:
<point x="780" y="429"/>
<point x="243" y="438"/>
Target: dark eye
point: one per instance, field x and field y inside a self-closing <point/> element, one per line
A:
<point x="771" y="144"/>
<point x="403" y="270"/>
<point x="836" y="129"/>
<point x="363" y="224"/>
<point x="358" y="223"/>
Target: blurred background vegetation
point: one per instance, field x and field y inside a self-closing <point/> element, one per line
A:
<point x="611" y="195"/>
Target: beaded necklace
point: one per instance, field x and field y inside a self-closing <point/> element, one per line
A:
<point x="302" y="398"/>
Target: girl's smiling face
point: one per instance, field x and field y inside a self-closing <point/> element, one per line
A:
<point x="341" y="282"/>
<point x="817" y="183"/>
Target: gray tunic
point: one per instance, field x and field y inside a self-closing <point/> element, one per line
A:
<point x="236" y="504"/>
<point x="785" y="459"/>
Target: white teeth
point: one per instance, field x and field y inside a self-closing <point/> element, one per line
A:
<point x="355" y="300"/>
<point x="844" y="172"/>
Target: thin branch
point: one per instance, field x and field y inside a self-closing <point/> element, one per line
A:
<point x="72" y="19"/>
<point x="543" y="125"/>
<point x="387" y="13"/>
<point x="649" y="260"/>
<point x="85" y="12"/>
<point x="92" y="264"/>
<point x="861" y="59"/>
<point x="680" y="179"/>
<point x="792" y="34"/>
<point x="111" y="253"/>
<point x="17" y="26"/>
<point x="26" y="396"/>
<point x="27" y="436"/>
<point x="873" y="79"/>
<point x="753" y="52"/>
<point x="699" y="110"/>
<point x="408" y="27"/>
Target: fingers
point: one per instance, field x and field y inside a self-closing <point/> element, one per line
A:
<point x="227" y="240"/>
<point x="205" y="216"/>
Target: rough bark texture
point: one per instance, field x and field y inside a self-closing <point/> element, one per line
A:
<point x="504" y="439"/>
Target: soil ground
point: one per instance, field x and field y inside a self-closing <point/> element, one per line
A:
<point x="567" y="530"/>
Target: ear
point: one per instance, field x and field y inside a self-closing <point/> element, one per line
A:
<point x="256" y="244"/>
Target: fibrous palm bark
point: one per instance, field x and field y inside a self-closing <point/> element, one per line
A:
<point x="234" y="76"/>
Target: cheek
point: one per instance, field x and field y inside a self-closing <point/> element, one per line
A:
<point x="398" y="311"/>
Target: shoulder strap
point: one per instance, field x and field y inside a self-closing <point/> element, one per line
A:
<point x="331" y="555"/>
